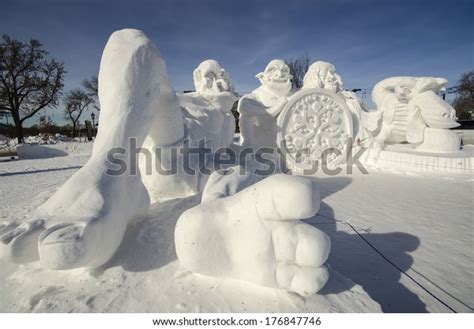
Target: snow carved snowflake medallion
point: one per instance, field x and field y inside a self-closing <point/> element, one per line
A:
<point x="314" y="127"/>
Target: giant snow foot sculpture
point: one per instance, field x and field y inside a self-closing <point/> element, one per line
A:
<point x="256" y="235"/>
<point x="250" y="230"/>
<point x="85" y="220"/>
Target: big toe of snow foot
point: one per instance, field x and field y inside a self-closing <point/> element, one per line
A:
<point x="79" y="244"/>
<point x="64" y="246"/>
<point x="74" y="245"/>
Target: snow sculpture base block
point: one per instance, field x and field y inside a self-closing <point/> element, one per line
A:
<point x="405" y="157"/>
<point x="315" y="125"/>
<point x="440" y="141"/>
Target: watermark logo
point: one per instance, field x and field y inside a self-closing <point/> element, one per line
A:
<point x="202" y="159"/>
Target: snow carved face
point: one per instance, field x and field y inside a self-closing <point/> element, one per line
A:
<point x="213" y="83"/>
<point x="404" y="90"/>
<point x="210" y="77"/>
<point x="276" y="77"/>
<point x="323" y="75"/>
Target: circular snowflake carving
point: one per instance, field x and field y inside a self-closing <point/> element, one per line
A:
<point x="314" y="127"/>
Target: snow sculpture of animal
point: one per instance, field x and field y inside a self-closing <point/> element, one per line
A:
<point x="409" y="110"/>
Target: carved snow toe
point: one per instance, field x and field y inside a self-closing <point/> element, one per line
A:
<point x="18" y="242"/>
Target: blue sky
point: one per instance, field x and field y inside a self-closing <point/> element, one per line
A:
<point x="367" y="40"/>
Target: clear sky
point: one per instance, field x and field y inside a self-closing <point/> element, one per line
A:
<point x="367" y="40"/>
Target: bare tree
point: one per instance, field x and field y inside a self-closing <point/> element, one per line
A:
<point x="29" y="82"/>
<point x="298" y="68"/>
<point x="76" y="101"/>
<point x="46" y="124"/>
<point x="464" y="101"/>
<point x="91" y="86"/>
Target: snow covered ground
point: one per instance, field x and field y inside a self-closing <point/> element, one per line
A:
<point x="420" y="222"/>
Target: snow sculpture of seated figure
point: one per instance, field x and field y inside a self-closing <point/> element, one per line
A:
<point x="323" y="75"/>
<point x="259" y="109"/>
<point x="251" y="234"/>
<point x="208" y="123"/>
<point x="409" y="110"/>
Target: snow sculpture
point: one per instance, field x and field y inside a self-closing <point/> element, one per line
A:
<point x="323" y="75"/>
<point x="256" y="235"/>
<point x="315" y="125"/>
<point x="318" y="123"/>
<point x="410" y="111"/>
<point x="259" y="109"/>
<point x="208" y="123"/>
<point x="245" y="232"/>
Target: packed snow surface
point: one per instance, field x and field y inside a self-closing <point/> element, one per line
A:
<point x="420" y="222"/>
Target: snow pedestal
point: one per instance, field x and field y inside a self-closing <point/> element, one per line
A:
<point x="405" y="157"/>
<point x="440" y="141"/>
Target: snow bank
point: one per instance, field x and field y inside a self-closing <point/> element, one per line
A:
<point x="44" y="146"/>
<point x="35" y="151"/>
<point x="48" y="139"/>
